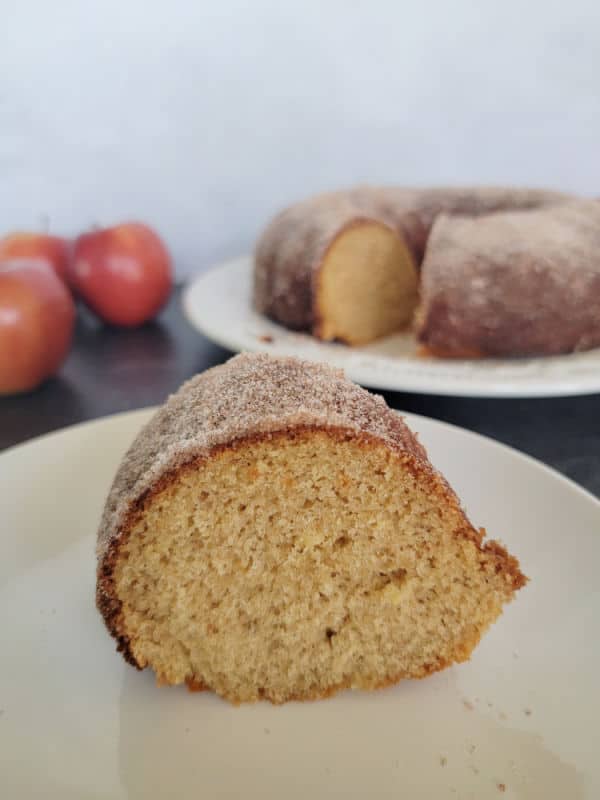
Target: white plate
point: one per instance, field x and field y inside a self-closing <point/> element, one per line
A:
<point x="218" y="304"/>
<point x="78" y="723"/>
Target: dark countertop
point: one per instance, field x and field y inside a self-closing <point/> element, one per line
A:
<point x="112" y="370"/>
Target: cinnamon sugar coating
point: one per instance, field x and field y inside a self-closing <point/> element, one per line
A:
<point x="250" y="395"/>
<point x="513" y="283"/>
<point x="290" y="251"/>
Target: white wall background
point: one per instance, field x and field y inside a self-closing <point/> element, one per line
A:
<point x="203" y="117"/>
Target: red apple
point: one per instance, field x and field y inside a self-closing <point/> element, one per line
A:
<point x="37" y="315"/>
<point x="41" y="246"/>
<point x="123" y="273"/>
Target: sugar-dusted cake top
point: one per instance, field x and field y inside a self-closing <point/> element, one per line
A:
<point x="250" y="395"/>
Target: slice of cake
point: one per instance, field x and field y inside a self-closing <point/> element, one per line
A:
<point x="277" y="532"/>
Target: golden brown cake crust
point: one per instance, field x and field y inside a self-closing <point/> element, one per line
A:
<point x="249" y="399"/>
<point x="291" y="250"/>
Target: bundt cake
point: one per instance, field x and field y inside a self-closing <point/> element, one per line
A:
<point x="277" y="532"/>
<point x="512" y="283"/>
<point x="344" y="265"/>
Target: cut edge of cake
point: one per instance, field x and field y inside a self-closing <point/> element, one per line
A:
<point x="176" y="479"/>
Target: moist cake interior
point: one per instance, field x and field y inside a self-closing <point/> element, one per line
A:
<point x="294" y="565"/>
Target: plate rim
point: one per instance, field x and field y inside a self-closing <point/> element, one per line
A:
<point x="497" y="389"/>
